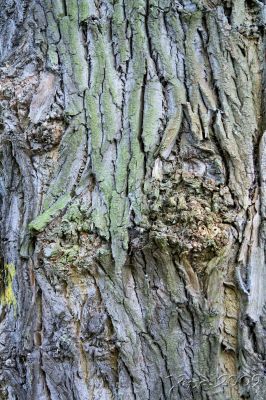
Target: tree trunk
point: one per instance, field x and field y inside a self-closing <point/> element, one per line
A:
<point x="133" y="200"/>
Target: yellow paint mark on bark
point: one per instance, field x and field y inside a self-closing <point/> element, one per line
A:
<point x="7" y="296"/>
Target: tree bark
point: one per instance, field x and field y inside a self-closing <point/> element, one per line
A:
<point x="133" y="199"/>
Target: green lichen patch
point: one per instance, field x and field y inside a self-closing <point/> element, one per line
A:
<point x="40" y="223"/>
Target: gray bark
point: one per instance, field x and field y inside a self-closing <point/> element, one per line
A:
<point x="133" y="199"/>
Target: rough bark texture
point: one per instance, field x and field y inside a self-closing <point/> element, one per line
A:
<point x="133" y="199"/>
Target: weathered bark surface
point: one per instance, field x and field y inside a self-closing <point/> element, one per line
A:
<point x="133" y="199"/>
